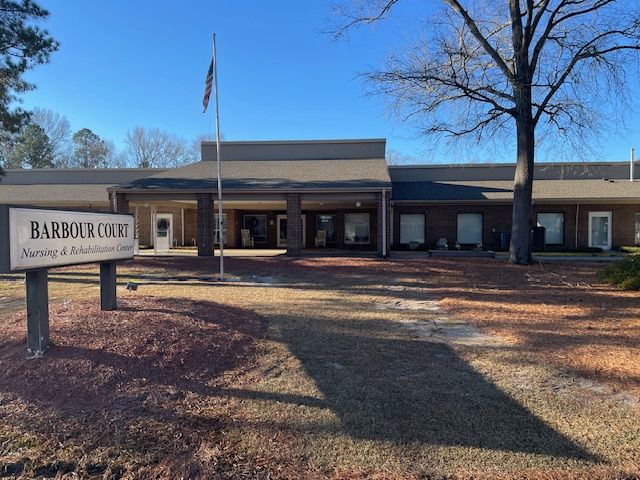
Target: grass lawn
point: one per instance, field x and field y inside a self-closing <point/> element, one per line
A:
<point x="326" y="367"/>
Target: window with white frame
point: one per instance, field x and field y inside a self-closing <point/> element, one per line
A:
<point x="412" y="228"/>
<point x="216" y="228"/>
<point x="637" y="228"/>
<point x="469" y="228"/>
<point x="356" y="228"/>
<point x="553" y="224"/>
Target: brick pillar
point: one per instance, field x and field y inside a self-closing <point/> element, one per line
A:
<point x="379" y="230"/>
<point x="121" y="203"/>
<point x="205" y="224"/>
<point x="294" y="225"/>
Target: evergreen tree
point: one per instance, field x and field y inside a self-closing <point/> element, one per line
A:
<point x="89" y="150"/>
<point x="23" y="45"/>
<point x="33" y="148"/>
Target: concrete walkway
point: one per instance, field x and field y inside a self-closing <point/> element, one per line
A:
<point x="259" y="252"/>
<point x="228" y="252"/>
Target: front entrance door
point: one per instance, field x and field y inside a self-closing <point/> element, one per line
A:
<point x="282" y="230"/>
<point x="163" y="232"/>
<point x="600" y="230"/>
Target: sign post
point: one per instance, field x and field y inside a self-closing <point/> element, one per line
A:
<point x="108" y="276"/>
<point x="34" y="239"/>
<point x="37" y="312"/>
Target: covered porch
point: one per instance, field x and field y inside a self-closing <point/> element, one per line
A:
<point x="277" y="194"/>
<point x="259" y="224"/>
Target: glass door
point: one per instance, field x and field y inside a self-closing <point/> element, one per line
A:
<point x="282" y="230"/>
<point x="600" y="230"/>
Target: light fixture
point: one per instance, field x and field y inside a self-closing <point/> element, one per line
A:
<point x="358" y="204"/>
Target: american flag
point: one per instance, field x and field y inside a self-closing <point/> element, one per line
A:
<point x="207" y="87"/>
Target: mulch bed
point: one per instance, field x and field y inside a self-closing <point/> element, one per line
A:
<point x="134" y="390"/>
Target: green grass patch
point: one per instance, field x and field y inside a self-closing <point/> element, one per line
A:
<point x="624" y="274"/>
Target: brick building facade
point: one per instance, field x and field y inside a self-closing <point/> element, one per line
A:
<point x="283" y="194"/>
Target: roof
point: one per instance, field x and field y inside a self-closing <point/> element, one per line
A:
<point x="73" y="176"/>
<point x="54" y="193"/>
<point x="74" y="186"/>
<point x="502" y="190"/>
<point x="270" y="175"/>
<point x="506" y="171"/>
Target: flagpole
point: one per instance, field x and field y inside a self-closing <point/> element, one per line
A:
<point x="220" y="217"/>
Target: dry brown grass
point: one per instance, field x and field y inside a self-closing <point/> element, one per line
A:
<point x="336" y="388"/>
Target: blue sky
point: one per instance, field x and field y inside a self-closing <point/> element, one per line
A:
<point x="142" y="63"/>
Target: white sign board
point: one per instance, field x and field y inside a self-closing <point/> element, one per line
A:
<point x="41" y="238"/>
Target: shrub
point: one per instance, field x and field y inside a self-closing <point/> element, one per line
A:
<point x="630" y="249"/>
<point x="624" y="274"/>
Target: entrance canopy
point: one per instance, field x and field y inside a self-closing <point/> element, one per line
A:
<point x="279" y="194"/>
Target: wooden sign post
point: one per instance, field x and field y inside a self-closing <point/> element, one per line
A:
<point x="34" y="239"/>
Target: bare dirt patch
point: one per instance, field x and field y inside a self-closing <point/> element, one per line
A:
<point x="126" y="393"/>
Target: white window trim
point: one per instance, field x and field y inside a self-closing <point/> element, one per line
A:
<point x="609" y="229"/>
<point x="349" y="242"/>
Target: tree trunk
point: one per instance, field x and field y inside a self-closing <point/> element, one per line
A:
<point x="520" y="247"/>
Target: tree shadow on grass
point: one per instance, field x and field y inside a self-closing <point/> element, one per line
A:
<point x="413" y="390"/>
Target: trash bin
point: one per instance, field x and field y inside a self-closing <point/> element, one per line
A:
<point x="505" y="240"/>
<point x="538" y="238"/>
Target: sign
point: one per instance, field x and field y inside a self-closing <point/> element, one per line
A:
<point x="41" y="238"/>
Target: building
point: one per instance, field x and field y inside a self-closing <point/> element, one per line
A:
<point x="342" y="192"/>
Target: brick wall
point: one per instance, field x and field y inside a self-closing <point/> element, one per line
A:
<point x="145" y="228"/>
<point x="622" y="223"/>
<point x="441" y="221"/>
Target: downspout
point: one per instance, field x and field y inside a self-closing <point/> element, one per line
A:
<point x="384" y="224"/>
<point x="576" y="228"/>
<point x="631" y="162"/>
<point x="182" y="224"/>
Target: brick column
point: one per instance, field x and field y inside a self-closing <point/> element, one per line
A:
<point x="205" y="224"/>
<point x="294" y="225"/>
<point x="379" y="231"/>
<point x="121" y="203"/>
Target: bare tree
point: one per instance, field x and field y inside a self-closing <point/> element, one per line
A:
<point x="396" y="158"/>
<point x="153" y="148"/>
<point x="543" y="67"/>
<point x="58" y="130"/>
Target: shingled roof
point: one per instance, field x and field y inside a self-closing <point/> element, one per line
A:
<point x="279" y="166"/>
<point x="578" y="181"/>
<point x="85" y="186"/>
<point x="502" y="190"/>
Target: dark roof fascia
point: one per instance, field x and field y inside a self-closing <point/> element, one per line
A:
<point x="508" y="164"/>
<point x="594" y="201"/>
<point x="295" y="142"/>
<point x="118" y="189"/>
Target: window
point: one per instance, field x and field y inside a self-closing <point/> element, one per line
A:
<point x="412" y="228"/>
<point x="356" y="228"/>
<point x="469" y="228"/>
<point x="216" y="230"/>
<point x="257" y="226"/>
<point x="553" y="224"/>
<point x="328" y="224"/>
<point x="637" y="228"/>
